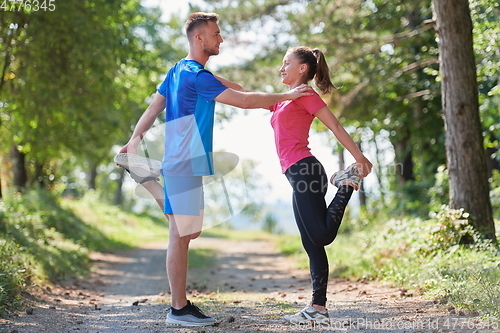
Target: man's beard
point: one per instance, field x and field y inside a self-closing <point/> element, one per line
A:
<point x="211" y="52"/>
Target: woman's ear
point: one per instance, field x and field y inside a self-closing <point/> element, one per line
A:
<point x="303" y="68"/>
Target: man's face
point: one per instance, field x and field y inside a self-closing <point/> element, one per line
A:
<point x="211" y="38"/>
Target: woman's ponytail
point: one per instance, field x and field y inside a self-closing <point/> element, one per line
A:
<point x="317" y="67"/>
<point x="322" y="75"/>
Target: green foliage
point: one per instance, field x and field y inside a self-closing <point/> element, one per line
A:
<point x="199" y="257"/>
<point x="49" y="238"/>
<point x="439" y="193"/>
<point x="292" y="247"/>
<point x="12" y="277"/>
<point x="221" y="232"/>
<point x="271" y="224"/>
<point x="33" y="249"/>
<point x="384" y="56"/>
<point x="449" y="227"/>
<point x="495" y="193"/>
<point x="75" y="80"/>
<point x="486" y="18"/>
<point x="116" y="229"/>
<point x="428" y="255"/>
<point x="43" y="238"/>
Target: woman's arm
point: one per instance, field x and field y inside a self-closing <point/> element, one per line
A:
<point x="326" y="116"/>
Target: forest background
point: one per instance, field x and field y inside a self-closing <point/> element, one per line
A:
<point x="75" y="80"/>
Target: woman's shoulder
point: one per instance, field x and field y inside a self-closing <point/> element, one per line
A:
<point x="314" y="96"/>
<point x="311" y="100"/>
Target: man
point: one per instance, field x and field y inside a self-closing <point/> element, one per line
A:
<point x="188" y="94"/>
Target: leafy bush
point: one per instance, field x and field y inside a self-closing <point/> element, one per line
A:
<point x="439" y="193"/>
<point x="44" y="238"/>
<point x="12" y="278"/>
<point x="495" y="193"/>
<point x="449" y="227"/>
<point x="432" y="255"/>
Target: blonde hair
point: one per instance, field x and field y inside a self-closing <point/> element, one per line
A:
<point x="197" y="19"/>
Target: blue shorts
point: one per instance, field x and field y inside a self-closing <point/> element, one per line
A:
<point x="183" y="195"/>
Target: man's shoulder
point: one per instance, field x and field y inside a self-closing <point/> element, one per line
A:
<point x="185" y="68"/>
<point x="191" y="66"/>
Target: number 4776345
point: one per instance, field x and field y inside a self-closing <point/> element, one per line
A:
<point x="28" y="5"/>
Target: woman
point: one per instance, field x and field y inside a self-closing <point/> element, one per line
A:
<point x="318" y="223"/>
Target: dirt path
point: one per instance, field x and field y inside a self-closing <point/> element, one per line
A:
<point x="249" y="290"/>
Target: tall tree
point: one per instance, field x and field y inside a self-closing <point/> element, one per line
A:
<point x="73" y="80"/>
<point x="469" y="187"/>
<point x="382" y="54"/>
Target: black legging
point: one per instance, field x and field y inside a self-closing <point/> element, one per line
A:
<point x="317" y="223"/>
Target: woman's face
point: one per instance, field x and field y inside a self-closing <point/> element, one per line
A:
<point x="292" y="71"/>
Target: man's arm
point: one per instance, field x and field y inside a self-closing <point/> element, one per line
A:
<point x="144" y="124"/>
<point x="255" y="100"/>
<point x="230" y="84"/>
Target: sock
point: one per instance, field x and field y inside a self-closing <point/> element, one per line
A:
<point x="182" y="311"/>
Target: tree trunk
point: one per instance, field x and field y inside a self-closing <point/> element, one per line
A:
<point x="340" y="153"/>
<point x="20" y="176"/>
<point x="469" y="188"/>
<point x="118" y="200"/>
<point x="378" y="170"/>
<point x="361" y="192"/>
<point x="39" y="176"/>
<point x="91" y="177"/>
<point x="404" y="160"/>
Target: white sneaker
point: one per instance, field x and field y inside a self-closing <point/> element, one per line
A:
<point x="309" y="314"/>
<point x="349" y="176"/>
<point x="138" y="165"/>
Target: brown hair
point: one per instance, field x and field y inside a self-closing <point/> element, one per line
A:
<point x="317" y="67"/>
<point x="197" y="19"/>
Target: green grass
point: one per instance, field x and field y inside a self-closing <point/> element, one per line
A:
<point x="201" y="258"/>
<point x="246" y="235"/>
<point x="113" y="228"/>
<point x="425" y="255"/>
<point x="44" y="238"/>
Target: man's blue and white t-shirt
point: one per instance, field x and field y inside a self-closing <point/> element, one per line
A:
<point x="190" y="91"/>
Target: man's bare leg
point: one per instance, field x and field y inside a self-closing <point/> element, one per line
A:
<point x="177" y="254"/>
<point x="156" y="191"/>
<point x="183" y="228"/>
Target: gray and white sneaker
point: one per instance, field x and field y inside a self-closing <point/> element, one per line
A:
<point x="309" y="314"/>
<point x="141" y="169"/>
<point x="349" y="176"/>
<point x="190" y="315"/>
